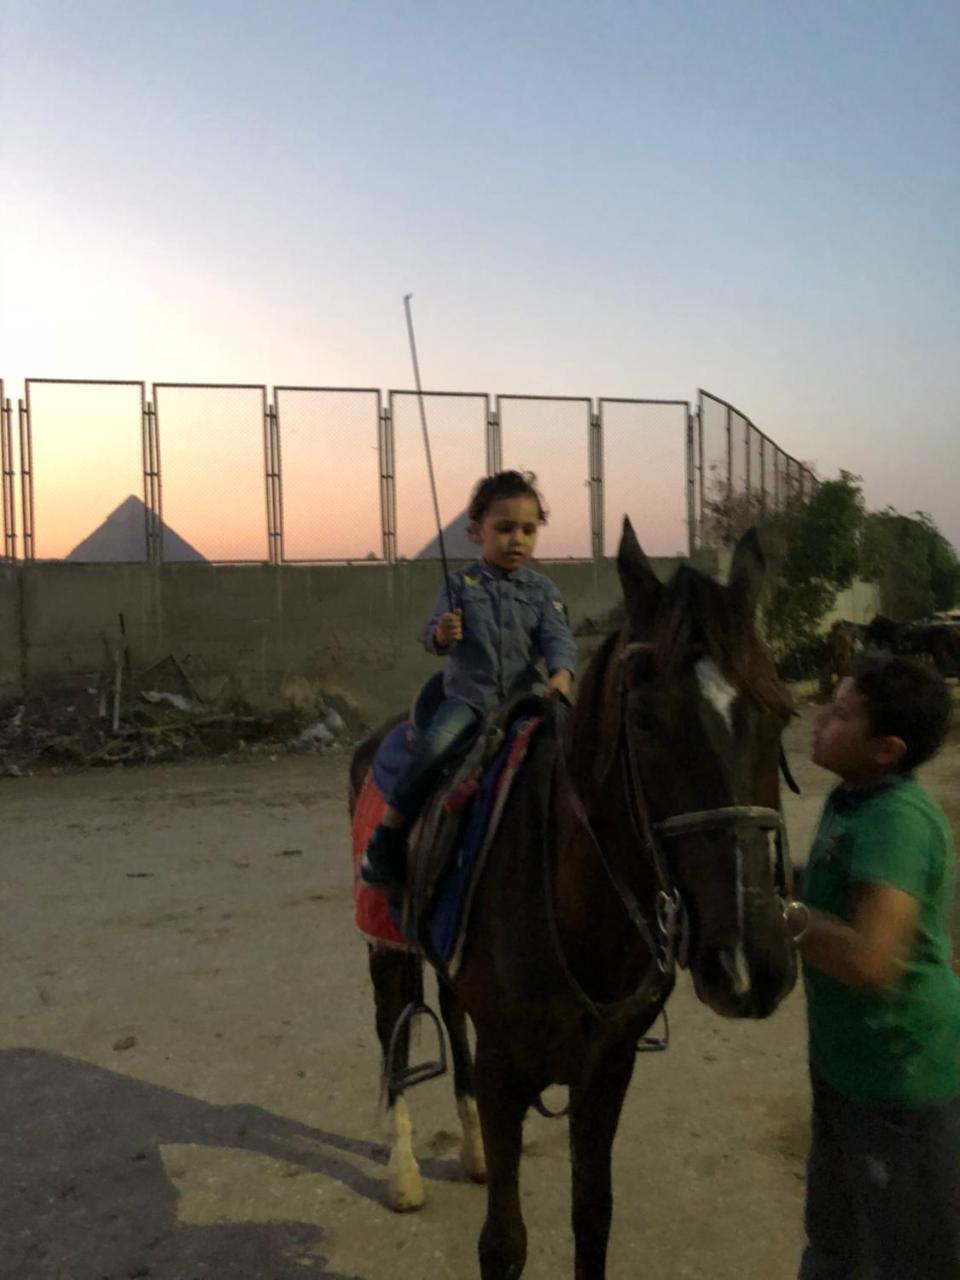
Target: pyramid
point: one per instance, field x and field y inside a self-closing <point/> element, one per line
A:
<point x="456" y="542"/>
<point x="122" y="537"/>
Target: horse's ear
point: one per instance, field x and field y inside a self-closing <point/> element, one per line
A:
<point x="747" y="570"/>
<point x="641" y="586"/>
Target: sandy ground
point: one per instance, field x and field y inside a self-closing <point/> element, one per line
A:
<point x="189" y="1071"/>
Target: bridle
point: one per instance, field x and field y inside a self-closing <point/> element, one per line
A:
<point x="667" y="937"/>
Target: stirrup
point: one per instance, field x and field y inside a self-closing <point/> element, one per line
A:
<point x="399" y="1079"/>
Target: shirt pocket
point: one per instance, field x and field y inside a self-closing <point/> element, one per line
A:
<point x="527" y="607"/>
<point x="478" y="615"/>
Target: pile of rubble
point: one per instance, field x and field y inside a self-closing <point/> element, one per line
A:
<point x="158" y="716"/>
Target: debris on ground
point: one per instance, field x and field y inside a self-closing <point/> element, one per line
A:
<point x="152" y="721"/>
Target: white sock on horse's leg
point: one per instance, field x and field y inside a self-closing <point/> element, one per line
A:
<point x="405" y="1185"/>
<point x="472" y="1155"/>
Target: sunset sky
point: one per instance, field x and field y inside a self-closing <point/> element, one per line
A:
<point x="606" y="199"/>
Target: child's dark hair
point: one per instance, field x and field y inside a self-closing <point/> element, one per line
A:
<point x="505" y="484"/>
<point x="907" y="700"/>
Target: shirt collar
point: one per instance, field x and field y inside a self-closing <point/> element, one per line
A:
<point x="504" y="575"/>
<point x="845" y="799"/>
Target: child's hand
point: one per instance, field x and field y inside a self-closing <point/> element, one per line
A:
<point x="449" y="629"/>
<point x="560" y="682"/>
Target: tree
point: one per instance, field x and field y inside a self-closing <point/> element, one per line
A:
<point x="814" y="549"/>
<point x="915" y="565"/>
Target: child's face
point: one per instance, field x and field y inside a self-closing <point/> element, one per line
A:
<point x="507" y="533"/>
<point x="844" y="742"/>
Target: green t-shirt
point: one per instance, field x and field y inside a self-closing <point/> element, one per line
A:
<point x="899" y="1047"/>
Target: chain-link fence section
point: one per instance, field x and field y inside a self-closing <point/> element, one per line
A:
<point x="83" y="493"/>
<point x="644" y="475"/>
<point x="8" y="504"/>
<point x="458" y="426"/>
<point x="742" y="476"/>
<point x="224" y="473"/>
<point x="330" y="470"/>
<point x="551" y="436"/>
<point x="217" y="463"/>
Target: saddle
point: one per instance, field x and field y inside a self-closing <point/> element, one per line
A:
<point x="447" y="846"/>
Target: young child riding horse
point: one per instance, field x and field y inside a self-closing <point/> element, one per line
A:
<point x="495" y="619"/>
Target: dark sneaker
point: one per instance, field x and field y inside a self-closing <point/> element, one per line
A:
<point x="384" y="863"/>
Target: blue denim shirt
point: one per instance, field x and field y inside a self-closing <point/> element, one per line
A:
<point x="511" y="620"/>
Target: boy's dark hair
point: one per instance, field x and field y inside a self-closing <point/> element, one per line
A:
<point x="907" y="700"/>
<point x="505" y="484"/>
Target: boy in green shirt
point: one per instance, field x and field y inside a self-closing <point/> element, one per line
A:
<point x="883" y="1002"/>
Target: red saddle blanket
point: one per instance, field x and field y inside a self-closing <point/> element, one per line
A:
<point x="474" y="806"/>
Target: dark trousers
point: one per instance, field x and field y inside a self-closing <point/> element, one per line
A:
<point x="452" y="724"/>
<point x="883" y="1191"/>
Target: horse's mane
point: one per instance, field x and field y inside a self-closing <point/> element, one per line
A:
<point x="698" y="618"/>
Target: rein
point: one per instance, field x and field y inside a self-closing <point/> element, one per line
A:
<point x="667" y="941"/>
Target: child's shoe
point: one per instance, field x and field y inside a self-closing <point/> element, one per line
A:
<point x="384" y="863"/>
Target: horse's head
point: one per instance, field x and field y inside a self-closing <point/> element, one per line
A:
<point x="702" y="713"/>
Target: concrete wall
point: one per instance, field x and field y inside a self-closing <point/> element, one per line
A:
<point x="859" y="603"/>
<point x="9" y="631"/>
<point x="267" y="634"/>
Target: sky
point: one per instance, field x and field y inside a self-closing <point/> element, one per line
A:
<point x="624" y="200"/>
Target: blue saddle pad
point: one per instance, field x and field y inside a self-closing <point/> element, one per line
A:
<point x="453" y="889"/>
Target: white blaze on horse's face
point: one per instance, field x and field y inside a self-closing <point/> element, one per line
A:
<point x="720" y="694"/>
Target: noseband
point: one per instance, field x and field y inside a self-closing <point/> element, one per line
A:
<point x="668" y="939"/>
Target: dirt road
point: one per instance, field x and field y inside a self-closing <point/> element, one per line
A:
<point x="189" y="1073"/>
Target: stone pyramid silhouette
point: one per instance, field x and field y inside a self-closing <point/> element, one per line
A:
<point x="456" y="542"/>
<point x="121" y="538"/>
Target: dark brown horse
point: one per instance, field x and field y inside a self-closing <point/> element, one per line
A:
<point x="656" y="810"/>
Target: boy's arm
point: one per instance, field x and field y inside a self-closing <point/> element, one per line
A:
<point x="556" y="643"/>
<point x="869" y="951"/>
<point x="888" y="873"/>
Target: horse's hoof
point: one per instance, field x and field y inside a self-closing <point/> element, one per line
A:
<point x="405" y="1193"/>
<point x="474" y="1161"/>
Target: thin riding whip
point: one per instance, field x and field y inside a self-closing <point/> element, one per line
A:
<point x="426" y="444"/>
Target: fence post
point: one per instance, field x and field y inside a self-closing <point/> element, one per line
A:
<point x="388" y="487"/>
<point x="691" y="466"/>
<point x="271" y="445"/>
<point x="26" y="477"/>
<point x="595" y="465"/>
<point x="152" y="501"/>
<point x="494" y="443"/>
<point x="8" y="499"/>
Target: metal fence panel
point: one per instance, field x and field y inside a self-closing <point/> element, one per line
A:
<point x="8" y="507"/>
<point x="644" y="473"/>
<point x="550" y="435"/>
<point x="739" y="451"/>
<point x="213" y="460"/>
<point x="82" y="468"/>
<point x="457" y="425"/>
<point x="330" y="472"/>
<point x="713" y="435"/>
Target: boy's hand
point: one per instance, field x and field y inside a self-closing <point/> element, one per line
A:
<point x="561" y="682"/>
<point x="449" y="629"/>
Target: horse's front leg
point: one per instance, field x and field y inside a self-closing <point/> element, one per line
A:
<point x="595" y="1108"/>
<point x="464" y="1085"/>
<point x="503" y="1097"/>
<point x="393" y="973"/>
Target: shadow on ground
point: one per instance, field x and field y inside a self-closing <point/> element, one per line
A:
<point x="84" y="1194"/>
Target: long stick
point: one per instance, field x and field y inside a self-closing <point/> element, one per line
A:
<point x="426" y="444"/>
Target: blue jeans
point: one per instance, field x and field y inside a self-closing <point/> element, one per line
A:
<point x="452" y="724"/>
<point x="883" y="1191"/>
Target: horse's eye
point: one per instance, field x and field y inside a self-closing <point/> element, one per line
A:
<point x="644" y="719"/>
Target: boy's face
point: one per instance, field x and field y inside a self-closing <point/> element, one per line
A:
<point x="507" y="533"/>
<point x="844" y="742"/>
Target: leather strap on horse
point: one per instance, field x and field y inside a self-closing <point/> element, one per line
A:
<point x="650" y="986"/>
